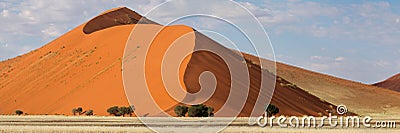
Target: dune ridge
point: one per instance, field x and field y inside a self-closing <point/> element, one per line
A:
<point x="392" y="83"/>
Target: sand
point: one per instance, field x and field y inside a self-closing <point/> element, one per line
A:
<point x="393" y="83"/>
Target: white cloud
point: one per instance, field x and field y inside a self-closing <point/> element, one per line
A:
<point x="51" y="31"/>
<point x="316" y="57"/>
<point x="370" y="22"/>
<point x="4" y="13"/>
<point x="383" y="64"/>
<point x="45" y="20"/>
<point x="318" y="66"/>
<point x="339" y="58"/>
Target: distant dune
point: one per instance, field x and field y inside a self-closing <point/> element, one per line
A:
<point x="392" y="83"/>
<point x="359" y="98"/>
<point x="83" y="68"/>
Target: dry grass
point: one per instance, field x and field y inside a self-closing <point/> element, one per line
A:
<point x="96" y="124"/>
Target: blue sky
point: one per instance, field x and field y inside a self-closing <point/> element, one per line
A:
<point x="352" y="39"/>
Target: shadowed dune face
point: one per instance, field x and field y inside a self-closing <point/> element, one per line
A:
<point x="393" y="83"/>
<point x="237" y="83"/>
<point x="292" y="100"/>
<point x="114" y="17"/>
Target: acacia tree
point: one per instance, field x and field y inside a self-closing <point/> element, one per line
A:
<point x="19" y="112"/>
<point x="181" y="110"/>
<point x="79" y="110"/>
<point x="271" y="110"/>
<point x="210" y="111"/>
<point x="89" y="112"/>
<point x="200" y="110"/>
<point x="113" y="111"/>
<point x="121" y="111"/>
<point x="130" y="110"/>
<point x="74" y="111"/>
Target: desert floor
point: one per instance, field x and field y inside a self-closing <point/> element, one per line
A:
<point x="94" y="124"/>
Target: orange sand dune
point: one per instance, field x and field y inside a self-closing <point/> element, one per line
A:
<point x="359" y="98"/>
<point x="393" y="83"/>
<point x="83" y="68"/>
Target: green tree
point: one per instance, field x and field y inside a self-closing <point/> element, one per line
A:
<point x="200" y="110"/>
<point x="79" y="110"/>
<point x="19" y="112"/>
<point x="74" y="111"/>
<point x="89" y="112"/>
<point x="271" y="110"/>
<point x="123" y="111"/>
<point x="210" y="111"/>
<point x="130" y="110"/>
<point x="181" y="111"/>
<point x="113" y="111"/>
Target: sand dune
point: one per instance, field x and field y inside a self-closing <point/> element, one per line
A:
<point x="359" y="98"/>
<point x="83" y="68"/>
<point x="393" y="83"/>
<point x="115" y="17"/>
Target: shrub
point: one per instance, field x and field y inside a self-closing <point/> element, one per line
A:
<point x="113" y="111"/>
<point x="74" y="111"/>
<point x="181" y="111"/>
<point x="200" y="110"/>
<point x="271" y="109"/>
<point x="89" y="112"/>
<point x="130" y="110"/>
<point x="19" y="112"/>
<point x="210" y="111"/>
<point x="121" y="111"/>
<point x="79" y="110"/>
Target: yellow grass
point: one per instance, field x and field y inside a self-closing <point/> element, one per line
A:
<point x="94" y="124"/>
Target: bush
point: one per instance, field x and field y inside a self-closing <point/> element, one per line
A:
<point x="19" y="112"/>
<point x="89" y="112"/>
<point x="210" y="111"/>
<point x="181" y="111"/>
<point x="200" y="110"/>
<point x="121" y="111"/>
<point x="113" y="111"/>
<point x="74" y="111"/>
<point x="271" y="110"/>
<point x="77" y="110"/>
<point x="130" y="110"/>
